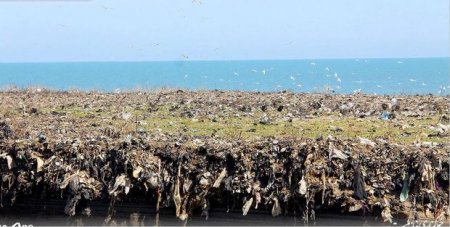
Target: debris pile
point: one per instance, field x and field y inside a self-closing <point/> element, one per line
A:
<point x="280" y="175"/>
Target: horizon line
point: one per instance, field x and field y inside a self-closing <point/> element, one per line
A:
<point x="216" y="60"/>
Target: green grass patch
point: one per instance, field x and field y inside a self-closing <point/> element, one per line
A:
<point x="246" y="126"/>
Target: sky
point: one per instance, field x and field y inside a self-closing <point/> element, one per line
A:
<point x="155" y="30"/>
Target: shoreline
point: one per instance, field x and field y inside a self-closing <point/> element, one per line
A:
<point x="13" y="88"/>
<point x="190" y="151"/>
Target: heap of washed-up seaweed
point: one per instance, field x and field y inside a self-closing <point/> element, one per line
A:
<point x="191" y="173"/>
<point x="188" y="173"/>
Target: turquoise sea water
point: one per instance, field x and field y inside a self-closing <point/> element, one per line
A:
<point x="380" y="76"/>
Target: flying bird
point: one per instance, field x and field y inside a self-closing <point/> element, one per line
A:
<point x="106" y="7"/>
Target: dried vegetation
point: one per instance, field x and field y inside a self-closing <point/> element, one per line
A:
<point x="279" y="152"/>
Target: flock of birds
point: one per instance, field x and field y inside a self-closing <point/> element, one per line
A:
<point x="295" y="79"/>
<point x="442" y="89"/>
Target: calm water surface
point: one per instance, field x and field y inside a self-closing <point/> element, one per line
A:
<point x="380" y="76"/>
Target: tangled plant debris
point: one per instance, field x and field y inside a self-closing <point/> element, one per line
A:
<point x="194" y="151"/>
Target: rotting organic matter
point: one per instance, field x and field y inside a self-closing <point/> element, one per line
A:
<point x="193" y="150"/>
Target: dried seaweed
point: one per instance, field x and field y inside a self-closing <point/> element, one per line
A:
<point x="191" y="173"/>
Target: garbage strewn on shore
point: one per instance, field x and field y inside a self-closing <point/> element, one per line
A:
<point x="86" y="157"/>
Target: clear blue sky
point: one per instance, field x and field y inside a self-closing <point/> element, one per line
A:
<point x="118" y="30"/>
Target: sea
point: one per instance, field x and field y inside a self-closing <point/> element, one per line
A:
<point x="344" y="76"/>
